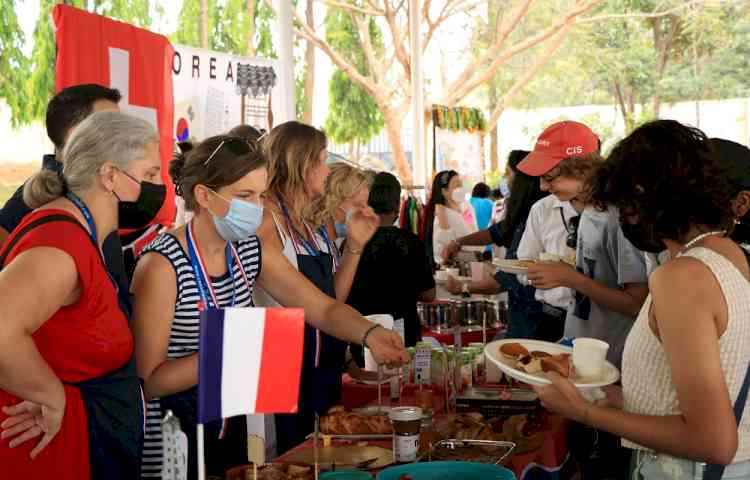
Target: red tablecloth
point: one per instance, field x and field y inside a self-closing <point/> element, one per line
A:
<point x="549" y="456"/>
<point x="466" y="337"/>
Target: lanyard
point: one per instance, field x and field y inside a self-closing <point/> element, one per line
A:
<point x="332" y="248"/>
<point x="92" y="230"/>
<point x="313" y="251"/>
<point x="201" y="273"/>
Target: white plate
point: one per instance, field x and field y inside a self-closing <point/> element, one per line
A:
<point x="510" y="266"/>
<point x="492" y="351"/>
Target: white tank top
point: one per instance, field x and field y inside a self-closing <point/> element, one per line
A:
<point x="646" y="377"/>
<point x="290" y="249"/>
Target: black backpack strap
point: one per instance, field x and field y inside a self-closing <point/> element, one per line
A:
<point x="8" y="247"/>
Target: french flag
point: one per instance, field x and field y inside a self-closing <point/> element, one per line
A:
<point x="249" y="361"/>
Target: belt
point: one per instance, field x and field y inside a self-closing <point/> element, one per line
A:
<point x="554" y="311"/>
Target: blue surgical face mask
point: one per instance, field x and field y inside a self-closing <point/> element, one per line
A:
<point x="242" y="220"/>
<point x="342" y="228"/>
<point x="504" y="188"/>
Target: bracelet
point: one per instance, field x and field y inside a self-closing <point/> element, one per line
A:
<point x="367" y="334"/>
<point x="352" y="251"/>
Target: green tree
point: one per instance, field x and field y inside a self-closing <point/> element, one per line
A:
<point x="40" y="84"/>
<point x="229" y="27"/>
<point x="13" y="64"/>
<point x="353" y="116"/>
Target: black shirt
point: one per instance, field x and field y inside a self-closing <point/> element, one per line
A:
<point x="14" y="211"/>
<point x="392" y="272"/>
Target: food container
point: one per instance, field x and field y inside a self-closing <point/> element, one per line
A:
<point x="479" y="451"/>
<point x="467" y="369"/>
<point x="497" y="313"/>
<point x="443" y="319"/>
<point x="407" y="425"/>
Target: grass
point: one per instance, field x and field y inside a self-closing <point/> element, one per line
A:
<point x="6" y="191"/>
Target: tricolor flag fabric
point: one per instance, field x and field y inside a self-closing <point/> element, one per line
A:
<point x="249" y="361"/>
<point x="95" y="49"/>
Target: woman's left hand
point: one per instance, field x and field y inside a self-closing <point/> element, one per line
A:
<point x="563" y="398"/>
<point x="361" y="227"/>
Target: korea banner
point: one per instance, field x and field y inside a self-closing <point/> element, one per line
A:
<point x="211" y="88"/>
<point x="96" y="49"/>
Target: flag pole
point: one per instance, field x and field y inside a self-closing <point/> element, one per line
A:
<point x="201" y="454"/>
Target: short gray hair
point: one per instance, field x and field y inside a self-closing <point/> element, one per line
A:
<point x="103" y="136"/>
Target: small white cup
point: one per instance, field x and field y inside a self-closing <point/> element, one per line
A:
<point x="453" y="272"/>
<point x="589" y="356"/>
<point x="441" y="275"/>
<point x="385" y="321"/>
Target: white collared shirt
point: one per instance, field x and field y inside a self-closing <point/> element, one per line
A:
<point x="546" y="233"/>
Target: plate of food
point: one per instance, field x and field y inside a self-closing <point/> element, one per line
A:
<point x="529" y="361"/>
<point x="513" y="266"/>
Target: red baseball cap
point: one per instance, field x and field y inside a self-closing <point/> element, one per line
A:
<point x="557" y="142"/>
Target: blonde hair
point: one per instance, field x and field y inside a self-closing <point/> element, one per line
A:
<point x="292" y="150"/>
<point x="101" y="137"/>
<point x="342" y="184"/>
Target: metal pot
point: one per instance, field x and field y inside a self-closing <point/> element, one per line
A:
<point x="469" y="313"/>
<point x="444" y="316"/>
<point x="497" y="313"/>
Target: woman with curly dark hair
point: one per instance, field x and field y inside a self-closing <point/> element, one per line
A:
<point x="686" y="359"/>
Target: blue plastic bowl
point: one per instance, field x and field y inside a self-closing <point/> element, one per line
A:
<point x="448" y="471"/>
<point x="346" y="475"/>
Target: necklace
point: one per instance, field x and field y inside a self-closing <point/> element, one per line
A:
<point x="701" y="237"/>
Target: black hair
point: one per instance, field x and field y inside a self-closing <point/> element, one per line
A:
<point x="525" y="192"/>
<point x="385" y="194"/>
<point x="73" y="104"/>
<point x="496" y="194"/>
<point x="515" y="157"/>
<point x="250" y="134"/>
<point x="666" y="177"/>
<point x="481" y="190"/>
<point x="441" y="181"/>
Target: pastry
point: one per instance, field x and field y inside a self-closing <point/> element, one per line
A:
<point x="529" y="364"/>
<point x="512" y="351"/>
<point x="340" y="422"/>
<point x="559" y="364"/>
<point x="540" y="354"/>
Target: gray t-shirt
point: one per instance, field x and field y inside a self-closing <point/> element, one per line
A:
<point x="606" y="256"/>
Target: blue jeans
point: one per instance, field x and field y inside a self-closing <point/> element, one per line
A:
<point x="650" y="466"/>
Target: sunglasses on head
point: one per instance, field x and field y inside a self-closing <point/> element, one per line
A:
<point x="236" y="145"/>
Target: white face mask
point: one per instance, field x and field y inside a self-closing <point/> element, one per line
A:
<point x="459" y="195"/>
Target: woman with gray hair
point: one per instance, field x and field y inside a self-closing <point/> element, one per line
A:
<point x="71" y="405"/>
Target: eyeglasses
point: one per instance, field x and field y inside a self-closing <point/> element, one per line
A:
<point x="550" y="177"/>
<point x="572" y="239"/>
<point x="236" y="145"/>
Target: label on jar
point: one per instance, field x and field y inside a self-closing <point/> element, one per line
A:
<point x="422" y="360"/>
<point x="405" y="448"/>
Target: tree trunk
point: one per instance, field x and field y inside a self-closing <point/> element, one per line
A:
<point x="310" y="67"/>
<point x="204" y="24"/>
<point x="493" y="132"/>
<point x="393" y="129"/>
<point x="663" y="44"/>
<point x="251" y="28"/>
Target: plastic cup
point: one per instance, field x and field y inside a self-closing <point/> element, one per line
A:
<point x="589" y="356"/>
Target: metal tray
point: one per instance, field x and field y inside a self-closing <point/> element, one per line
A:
<point x="481" y="451"/>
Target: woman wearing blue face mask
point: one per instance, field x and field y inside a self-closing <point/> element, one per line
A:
<point x="346" y="193"/>
<point x="215" y="261"/>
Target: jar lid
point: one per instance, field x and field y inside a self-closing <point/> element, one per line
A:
<point x="406" y="414"/>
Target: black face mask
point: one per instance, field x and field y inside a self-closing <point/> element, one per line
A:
<point x="641" y="239"/>
<point x="139" y="214"/>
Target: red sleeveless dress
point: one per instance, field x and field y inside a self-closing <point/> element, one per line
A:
<point x="82" y="341"/>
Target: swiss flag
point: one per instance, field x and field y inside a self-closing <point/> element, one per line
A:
<point x="96" y="49"/>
